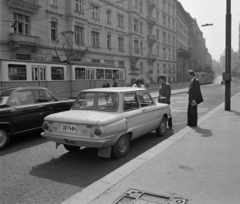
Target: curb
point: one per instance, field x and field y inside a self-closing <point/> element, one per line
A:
<point x="97" y="188"/>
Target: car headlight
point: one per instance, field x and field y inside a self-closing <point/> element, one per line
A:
<point x="45" y="126"/>
<point x="97" y="132"/>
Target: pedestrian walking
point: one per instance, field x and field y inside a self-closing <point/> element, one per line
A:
<point x="115" y="84"/>
<point x="195" y="98"/>
<point x="106" y="84"/>
<point x="165" y="95"/>
<point x="139" y="84"/>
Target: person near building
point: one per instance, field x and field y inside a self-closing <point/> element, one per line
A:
<point x="195" y="98"/>
<point x="115" y="84"/>
<point x="165" y="95"/>
<point x="105" y="84"/>
<point x="139" y="84"/>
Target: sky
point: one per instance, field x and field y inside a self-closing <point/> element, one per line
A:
<point x="214" y="11"/>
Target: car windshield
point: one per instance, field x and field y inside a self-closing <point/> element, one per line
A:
<point x="100" y="101"/>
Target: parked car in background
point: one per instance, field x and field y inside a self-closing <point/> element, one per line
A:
<point x="22" y="109"/>
<point x="107" y="119"/>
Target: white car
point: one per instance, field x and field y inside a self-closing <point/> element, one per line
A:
<point x="107" y="119"/>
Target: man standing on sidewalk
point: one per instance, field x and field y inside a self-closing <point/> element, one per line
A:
<point x="165" y="95"/>
<point x="195" y="98"/>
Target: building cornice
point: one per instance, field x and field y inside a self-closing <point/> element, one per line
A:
<point x="54" y="13"/>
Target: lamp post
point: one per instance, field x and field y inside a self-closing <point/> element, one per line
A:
<point x="227" y="74"/>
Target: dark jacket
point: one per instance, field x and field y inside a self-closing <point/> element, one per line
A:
<point x="115" y="84"/>
<point x="165" y="92"/>
<point x="195" y="92"/>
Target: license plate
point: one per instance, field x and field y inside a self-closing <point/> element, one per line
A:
<point x="70" y="142"/>
<point x="69" y="128"/>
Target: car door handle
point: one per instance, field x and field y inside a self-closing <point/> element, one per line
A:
<point x="144" y="110"/>
<point x="50" y="107"/>
<point x="41" y="113"/>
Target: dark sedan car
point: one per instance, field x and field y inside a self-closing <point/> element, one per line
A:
<point x="23" y="109"/>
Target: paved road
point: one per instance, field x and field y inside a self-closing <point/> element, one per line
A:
<point x="33" y="171"/>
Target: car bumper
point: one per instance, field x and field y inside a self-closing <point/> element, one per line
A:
<point x="94" y="142"/>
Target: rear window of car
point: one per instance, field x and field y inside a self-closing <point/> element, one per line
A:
<point x="100" y="101"/>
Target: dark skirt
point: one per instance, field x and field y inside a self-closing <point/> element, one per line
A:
<point x="192" y="116"/>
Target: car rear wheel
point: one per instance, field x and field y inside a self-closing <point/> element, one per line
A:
<point x="4" y="139"/>
<point x="71" y="148"/>
<point x="121" y="147"/>
<point x="161" y="130"/>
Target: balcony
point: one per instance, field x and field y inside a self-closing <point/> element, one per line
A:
<point x="151" y="39"/>
<point x="28" y="5"/>
<point x="151" y="21"/>
<point x="17" y="40"/>
<point x="151" y="58"/>
<point x="184" y="52"/>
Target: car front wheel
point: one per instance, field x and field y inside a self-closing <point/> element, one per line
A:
<point x="71" y="148"/>
<point x="161" y="130"/>
<point x="4" y="139"/>
<point x="120" y="149"/>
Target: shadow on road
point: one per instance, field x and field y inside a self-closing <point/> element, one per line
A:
<point x="22" y="142"/>
<point x="84" y="167"/>
<point x="204" y="132"/>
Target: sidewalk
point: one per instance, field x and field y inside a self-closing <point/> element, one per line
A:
<point x="198" y="164"/>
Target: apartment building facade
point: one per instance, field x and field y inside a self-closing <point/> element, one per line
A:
<point x="137" y="35"/>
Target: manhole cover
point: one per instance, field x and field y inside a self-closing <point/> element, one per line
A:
<point x="141" y="197"/>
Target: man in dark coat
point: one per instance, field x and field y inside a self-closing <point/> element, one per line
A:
<point x="195" y="98"/>
<point x="106" y="84"/>
<point x="165" y="95"/>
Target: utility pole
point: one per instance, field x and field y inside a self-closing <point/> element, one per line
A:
<point x="228" y="49"/>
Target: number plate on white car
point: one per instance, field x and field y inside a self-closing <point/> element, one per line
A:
<point x="69" y="128"/>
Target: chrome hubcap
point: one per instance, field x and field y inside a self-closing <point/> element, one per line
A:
<point x="122" y="144"/>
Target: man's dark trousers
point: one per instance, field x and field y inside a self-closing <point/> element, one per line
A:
<point x="192" y="115"/>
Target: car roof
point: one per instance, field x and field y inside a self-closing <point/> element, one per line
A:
<point x="115" y="89"/>
<point x="5" y="90"/>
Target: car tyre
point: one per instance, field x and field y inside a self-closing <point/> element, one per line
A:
<point x="71" y="148"/>
<point x="121" y="147"/>
<point x="4" y="139"/>
<point x="161" y="130"/>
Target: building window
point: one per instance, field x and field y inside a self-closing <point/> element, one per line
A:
<point x="141" y="48"/>
<point x="169" y="22"/>
<point x="94" y="12"/>
<point x="157" y="51"/>
<point x="108" y="17"/>
<point x="96" y="61"/>
<point x="157" y="34"/>
<point x="135" y="25"/>
<point x="173" y="51"/>
<point x="120" y="21"/>
<point x="164" y="37"/>
<point x="57" y="73"/>
<point x="173" y="24"/>
<point x="79" y="5"/>
<point x="95" y="39"/>
<point x="140" y="7"/>
<point x="173" y="40"/>
<point x="157" y="15"/>
<point x="54" y="27"/>
<point x="164" y="53"/>
<point x="169" y="7"/>
<point x="158" y="69"/>
<point x="164" y="69"/>
<point x="135" y="4"/>
<point x="164" y="4"/>
<point x="169" y="38"/>
<point x="164" y="19"/>
<point x="150" y="49"/>
<point x="120" y="44"/>
<point x="121" y="64"/>
<point x="173" y="10"/>
<point x="109" y="41"/>
<point x="141" y="68"/>
<point x="17" y="72"/>
<point x="22" y="24"/>
<point x="79" y="35"/>
<point x="53" y="2"/>
<point x="169" y="53"/>
<point x="141" y="28"/>
<point x="136" y="48"/>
